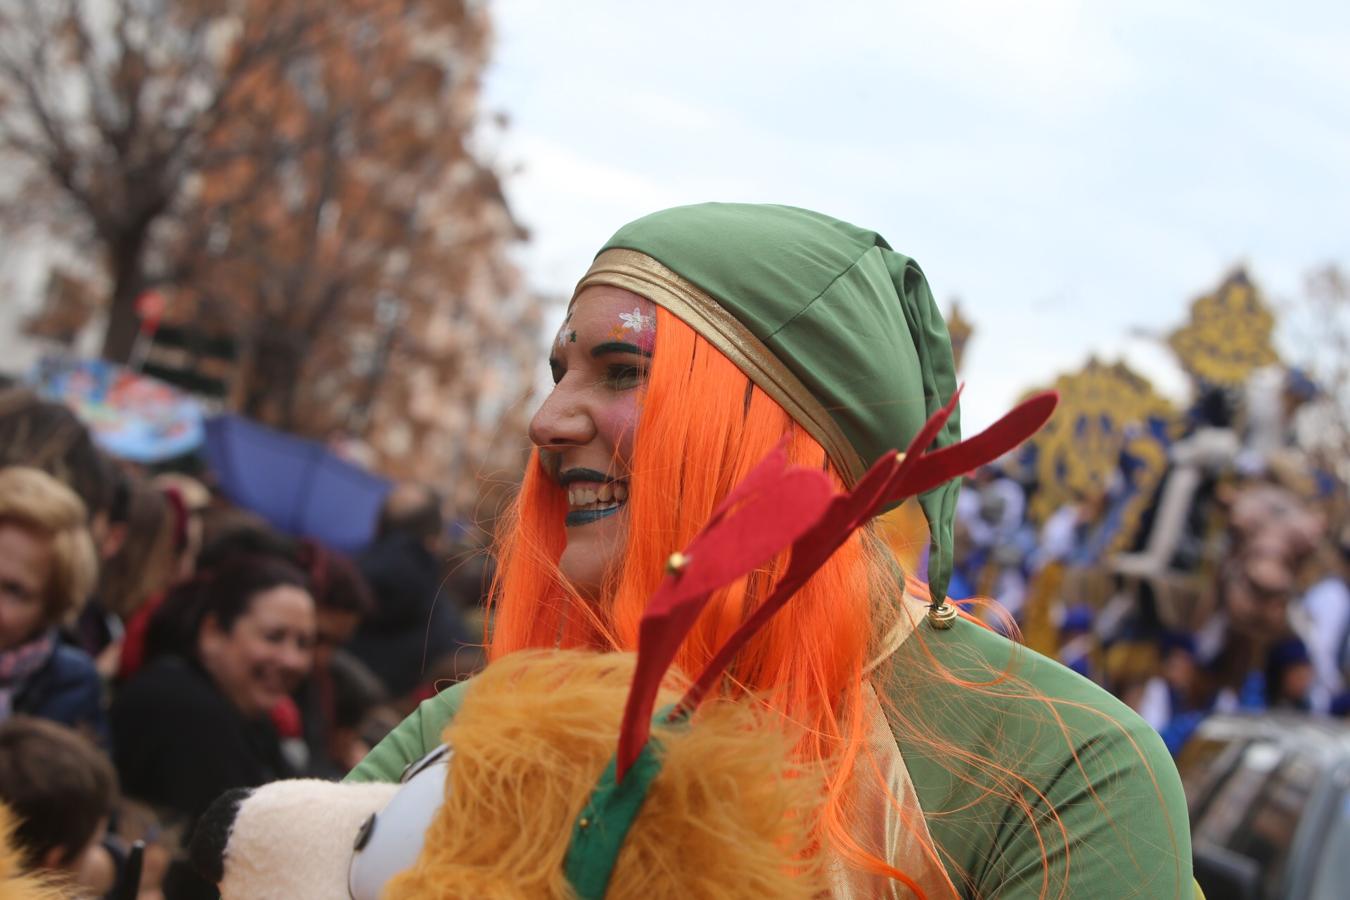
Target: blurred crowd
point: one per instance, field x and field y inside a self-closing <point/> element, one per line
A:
<point x="1228" y="593"/>
<point x="159" y="646"/>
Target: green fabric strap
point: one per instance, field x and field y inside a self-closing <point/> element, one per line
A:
<point x="853" y="319"/>
<point x="599" y="832"/>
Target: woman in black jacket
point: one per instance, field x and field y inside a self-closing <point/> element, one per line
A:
<point x="224" y="650"/>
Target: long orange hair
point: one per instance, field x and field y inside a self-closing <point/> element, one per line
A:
<point x="704" y="425"/>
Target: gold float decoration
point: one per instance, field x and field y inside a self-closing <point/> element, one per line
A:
<point x="960" y="328"/>
<point x="1104" y="411"/>
<point x="905" y="531"/>
<point x="1228" y="336"/>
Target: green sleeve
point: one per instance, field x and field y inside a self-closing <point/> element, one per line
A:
<point x="1067" y="748"/>
<point x="413" y="738"/>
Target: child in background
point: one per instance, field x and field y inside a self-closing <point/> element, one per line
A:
<point x="1289" y="676"/>
<point x="1078" y="648"/>
<point x="1171" y="700"/>
<point x="62" y="790"/>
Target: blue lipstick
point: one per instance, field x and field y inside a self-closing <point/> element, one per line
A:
<point x="572" y="476"/>
<point x="587" y="516"/>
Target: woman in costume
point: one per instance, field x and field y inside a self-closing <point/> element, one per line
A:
<point x="958" y="764"/>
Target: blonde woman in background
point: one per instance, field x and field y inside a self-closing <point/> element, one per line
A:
<point x="48" y="567"/>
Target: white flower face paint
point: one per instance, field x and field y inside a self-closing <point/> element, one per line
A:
<point x="637" y="321"/>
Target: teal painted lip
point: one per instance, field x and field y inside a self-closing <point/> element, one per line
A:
<point x="571" y="476"/>
<point x="587" y="516"/>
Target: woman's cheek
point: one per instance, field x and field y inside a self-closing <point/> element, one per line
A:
<point x="617" y="423"/>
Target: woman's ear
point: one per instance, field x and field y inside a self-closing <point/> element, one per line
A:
<point x="210" y="637"/>
<point x="54" y="858"/>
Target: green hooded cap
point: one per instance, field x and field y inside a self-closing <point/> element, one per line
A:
<point x="851" y="319"/>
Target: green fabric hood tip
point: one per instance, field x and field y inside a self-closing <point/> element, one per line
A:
<point x="851" y="318"/>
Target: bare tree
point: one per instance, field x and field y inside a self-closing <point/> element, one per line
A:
<point x="118" y="108"/>
<point x="302" y="175"/>
<point x="1318" y="326"/>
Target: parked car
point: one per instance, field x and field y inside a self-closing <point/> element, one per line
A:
<point x="1269" y="799"/>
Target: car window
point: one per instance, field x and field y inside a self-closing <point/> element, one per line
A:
<point x="1228" y="809"/>
<point x="1257" y="810"/>
<point x="1203" y="764"/>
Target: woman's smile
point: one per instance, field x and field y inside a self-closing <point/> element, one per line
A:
<point x="592" y="495"/>
<point x="585" y="427"/>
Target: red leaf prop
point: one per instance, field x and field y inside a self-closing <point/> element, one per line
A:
<point x="775" y="507"/>
<point x="888" y="481"/>
<point x="771" y="507"/>
<point x="1013" y="428"/>
<point x="760" y="478"/>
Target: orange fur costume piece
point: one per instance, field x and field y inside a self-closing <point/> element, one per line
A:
<point x="723" y="818"/>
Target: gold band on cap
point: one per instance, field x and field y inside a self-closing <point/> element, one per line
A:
<point x="639" y="273"/>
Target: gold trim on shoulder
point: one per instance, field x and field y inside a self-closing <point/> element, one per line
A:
<point x="907" y="617"/>
<point x="887" y="821"/>
<point x="639" y="273"/>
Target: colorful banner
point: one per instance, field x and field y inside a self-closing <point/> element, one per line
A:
<point x="133" y="417"/>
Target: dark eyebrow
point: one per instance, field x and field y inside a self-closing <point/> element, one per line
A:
<point x="619" y="347"/>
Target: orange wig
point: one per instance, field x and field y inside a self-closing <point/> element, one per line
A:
<point x="703" y="426"/>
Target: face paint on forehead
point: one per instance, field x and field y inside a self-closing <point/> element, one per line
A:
<point x="566" y="334"/>
<point x="637" y="328"/>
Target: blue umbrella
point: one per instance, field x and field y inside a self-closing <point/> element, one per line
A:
<point x="297" y="485"/>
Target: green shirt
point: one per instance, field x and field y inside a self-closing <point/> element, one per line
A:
<point x="1096" y="764"/>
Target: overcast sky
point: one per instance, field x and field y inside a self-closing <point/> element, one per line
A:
<point x="1072" y="171"/>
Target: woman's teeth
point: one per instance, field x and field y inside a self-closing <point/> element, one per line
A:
<point x="603" y="496"/>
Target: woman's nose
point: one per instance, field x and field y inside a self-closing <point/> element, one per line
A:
<point x="561" y="420"/>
